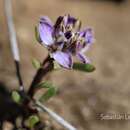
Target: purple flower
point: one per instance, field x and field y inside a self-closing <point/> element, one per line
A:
<point x="64" y="39"/>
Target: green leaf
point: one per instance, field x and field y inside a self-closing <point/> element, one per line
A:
<point x="32" y="120"/>
<point x="37" y="36"/>
<point x="48" y="94"/>
<point x="36" y="64"/>
<point x="44" y="85"/>
<point x="83" y="67"/>
<point x="16" y="97"/>
<point x="56" y="66"/>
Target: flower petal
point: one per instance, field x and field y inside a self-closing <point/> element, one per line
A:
<point x="83" y="58"/>
<point x="63" y="58"/>
<point x="71" y="20"/>
<point x="65" y="19"/>
<point x="45" y="31"/>
<point x="88" y="35"/>
<point x="79" y="46"/>
<point x="86" y="48"/>
<point x="45" y="19"/>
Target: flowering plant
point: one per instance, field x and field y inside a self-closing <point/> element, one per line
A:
<point x="64" y="39"/>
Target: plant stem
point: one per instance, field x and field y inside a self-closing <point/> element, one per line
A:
<point x="13" y="41"/>
<point x="55" y="116"/>
<point x="47" y="66"/>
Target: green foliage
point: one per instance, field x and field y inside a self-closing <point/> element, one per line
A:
<point x="44" y="85"/>
<point x="37" y="35"/>
<point x="32" y="120"/>
<point x="36" y="63"/>
<point x="16" y="97"/>
<point x="56" y="66"/>
<point x="49" y="93"/>
<point x="83" y="67"/>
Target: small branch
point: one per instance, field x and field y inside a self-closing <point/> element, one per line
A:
<point x="13" y="40"/>
<point x="47" y="66"/>
<point x="56" y="117"/>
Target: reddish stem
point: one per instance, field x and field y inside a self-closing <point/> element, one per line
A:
<point x="47" y="66"/>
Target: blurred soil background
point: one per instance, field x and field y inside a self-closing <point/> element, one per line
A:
<point x="82" y="97"/>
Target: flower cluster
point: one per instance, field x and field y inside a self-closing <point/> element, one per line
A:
<point x="64" y="39"/>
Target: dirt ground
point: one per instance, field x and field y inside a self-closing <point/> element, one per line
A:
<point x="82" y="97"/>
